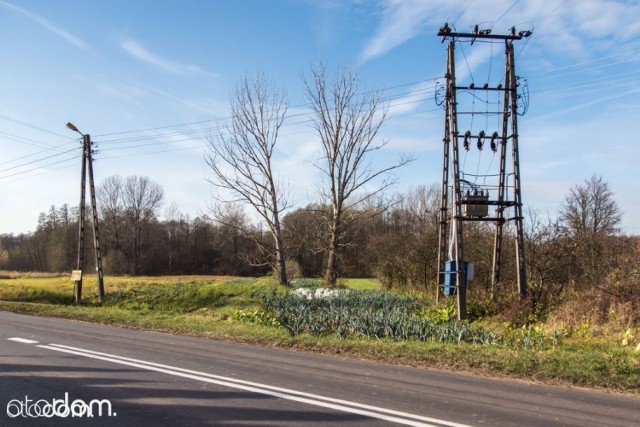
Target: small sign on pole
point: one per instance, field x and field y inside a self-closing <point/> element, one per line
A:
<point x="76" y="275"/>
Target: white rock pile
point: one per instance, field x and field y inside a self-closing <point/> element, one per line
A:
<point x="310" y="293"/>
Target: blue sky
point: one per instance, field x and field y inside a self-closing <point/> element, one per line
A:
<point x="150" y="79"/>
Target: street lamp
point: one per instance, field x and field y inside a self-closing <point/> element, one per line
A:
<point x="73" y="128"/>
<point x="87" y="158"/>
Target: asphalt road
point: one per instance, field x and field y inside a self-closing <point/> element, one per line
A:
<point x="58" y="367"/>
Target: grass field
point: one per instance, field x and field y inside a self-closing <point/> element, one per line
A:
<point x="230" y="308"/>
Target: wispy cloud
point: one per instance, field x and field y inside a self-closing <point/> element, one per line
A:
<point x="70" y="38"/>
<point x="167" y="95"/>
<point x="401" y="21"/>
<point x="589" y="103"/>
<point x="136" y="50"/>
<point x="557" y="22"/>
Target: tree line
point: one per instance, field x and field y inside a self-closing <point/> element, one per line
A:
<point x="581" y="248"/>
<point x="138" y="237"/>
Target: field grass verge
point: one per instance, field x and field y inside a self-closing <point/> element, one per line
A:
<point x="230" y="308"/>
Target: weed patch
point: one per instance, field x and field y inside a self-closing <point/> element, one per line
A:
<point x="177" y="298"/>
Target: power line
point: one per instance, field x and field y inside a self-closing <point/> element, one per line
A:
<point x="37" y="160"/>
<point x="596" y="85"/>
<point x="553" y="11"/>
<point x="462" y="13"/>
<point x="163" y="127"/>
<point x="412" y="94"/>
<point x="420" y="94"/>
<point x="32" y="126"/>
<point x="587" y="69"/>
<point x="156" y="138"/>
<point x="413" y="97"/>
<point x="283" y="134"/>
<point x="41" y="172"/>
<point x="505" y="12"/>
<point x="39" y="167"/>
<point x="27" y="141"/>
<point x="222" y="119"/>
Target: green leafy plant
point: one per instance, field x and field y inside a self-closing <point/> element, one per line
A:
<point x="370" y="314"/>
<point x="257" y="316"/>
<point x="440" y="313"/>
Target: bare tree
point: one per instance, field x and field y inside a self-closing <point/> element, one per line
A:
<point x="171" y="227"/>
<point x="142" y="198"/>
<point x="241" y="159"/>
<point x="591" y="216"/>
<point x="590" y="209"/>
<point x="347" y="122"/>
<point x="109" y="194"/>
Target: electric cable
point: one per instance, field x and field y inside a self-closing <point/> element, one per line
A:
<point x="505" y="12"/>
<point x="157" y="141"/>
<point x="462" y="13"/>
<point x="39" y="160"/>
<point x="39" y="167"/>
<point x="32" y="126"/>
<point x="466" y="62"/>
<point x="229" y="118"/>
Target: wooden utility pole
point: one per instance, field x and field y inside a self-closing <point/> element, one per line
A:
<point x="87" y="161"/>
<point x="77" y="287"/>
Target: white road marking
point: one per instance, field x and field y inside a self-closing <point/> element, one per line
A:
<point x="283" y="393"/>
<point x="22" y="340"/>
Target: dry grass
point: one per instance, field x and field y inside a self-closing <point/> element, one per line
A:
<point x="597" y="311"/>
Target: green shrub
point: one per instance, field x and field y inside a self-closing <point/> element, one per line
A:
<point x="440" y="313"/>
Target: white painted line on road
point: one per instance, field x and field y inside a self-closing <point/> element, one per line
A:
<point x="22" y="340"/>
<point x="288" y="394"/>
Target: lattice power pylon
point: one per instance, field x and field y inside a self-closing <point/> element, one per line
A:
<point x="468" y="196"/>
